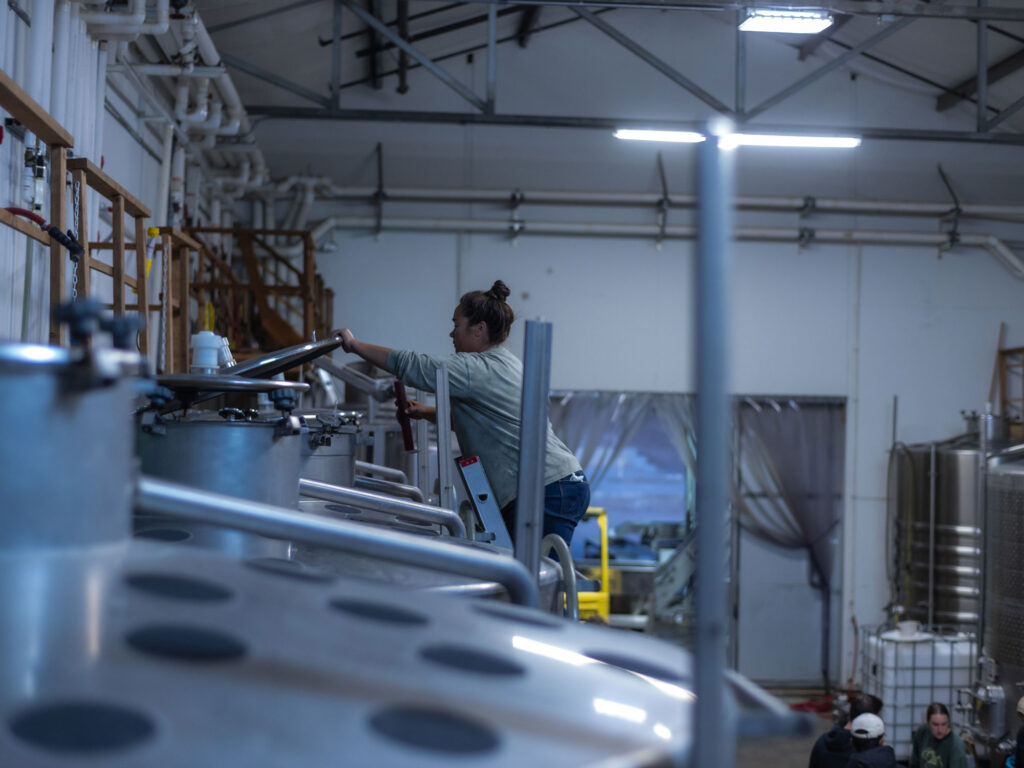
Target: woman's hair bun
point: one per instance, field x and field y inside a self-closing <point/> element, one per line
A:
<point x="499" y="291"/>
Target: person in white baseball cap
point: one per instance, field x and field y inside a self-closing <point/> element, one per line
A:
<point x="871" y="751"/>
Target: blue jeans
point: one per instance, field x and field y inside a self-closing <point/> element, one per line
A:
<point x="565" y="503"/>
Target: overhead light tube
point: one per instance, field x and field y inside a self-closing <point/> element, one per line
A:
<point x="729" y="141"/>
<point x="786" y="21"/>
<point x="679" y="137"/>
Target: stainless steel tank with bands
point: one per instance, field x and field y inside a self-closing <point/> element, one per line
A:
<point x="1004" y="596"/>
<point x="957" y="533"/>
<point x="66" y="443"/>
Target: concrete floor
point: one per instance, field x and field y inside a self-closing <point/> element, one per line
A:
<point x="782" y="752"/>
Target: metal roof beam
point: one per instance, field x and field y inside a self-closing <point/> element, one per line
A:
<point x="440" y="30"/>
<point x="374" y="48"/>
<point x="527" y="21"/>
<point x="966" y="89"/>
<point x="258" y="16"/>
<point x="336" y="54"/>
<point x="808" y="47"/>
<point x="819" y="73"/>
<point x="492" y="55"/>
<point x="439" y="73"/>
<point x="1005" y="113"/>
<point x="269" y="77"/>
<point x="672" y="74"/>
<point x="884" y="8"/>
<point x="611" y="123"/>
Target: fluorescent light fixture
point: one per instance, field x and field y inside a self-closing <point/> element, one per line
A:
<point x="731" y="140"/>
<point x="680" y="137"/>
<point x="791" y="22"/>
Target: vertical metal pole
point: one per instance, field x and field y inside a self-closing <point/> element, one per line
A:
<point x="533" y="417"/>
<point x="931" y="536"/>
<point x="982" y="90"/>
<point x="444" y="441"/>
<point x="336" y="55"/>
<point x="734" y="552"/>
<point x="423" y="457"/>
<point x="714" y="726"/>
<point x="492" y="27"/>
<point x="741" y="68"/>
<point x="980" y="496"/>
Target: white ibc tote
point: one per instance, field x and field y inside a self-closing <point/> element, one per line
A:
<point x="908" y="670"/>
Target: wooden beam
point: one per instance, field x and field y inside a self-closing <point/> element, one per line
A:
<point x="24" y="226"/>
<point x="141" y="286"/>
<point x="117" y="235"/>
<point x="181" y="265"/>
<point x="26" y="111"/>
<point x="222" y="265"/>
<point x="280" y="332"/>
<point x="282" y="260"/>
<point x="101" y="266"/>
<point x="58" y="256"/>
<point x="180" y="237"/>
<point x="85" y="263"/>
<point x="109" y="246"/>
<point x="107" y="187"/>
<point x="308" y="286"/>
<point x="279" y="290"/>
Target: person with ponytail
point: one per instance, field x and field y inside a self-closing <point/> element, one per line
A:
<point x="485" y="383"/>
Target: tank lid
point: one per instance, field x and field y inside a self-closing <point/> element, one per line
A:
<point x="282" y="360"/>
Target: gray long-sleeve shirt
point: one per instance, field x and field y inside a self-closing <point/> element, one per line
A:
<point x="486" y="389"/>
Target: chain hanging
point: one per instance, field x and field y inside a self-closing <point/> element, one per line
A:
<point x="76" y="202"/>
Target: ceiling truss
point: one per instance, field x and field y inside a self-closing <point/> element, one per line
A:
<point x="381" y="35"/>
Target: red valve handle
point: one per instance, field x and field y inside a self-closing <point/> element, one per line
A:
<point x="402" y="404"/>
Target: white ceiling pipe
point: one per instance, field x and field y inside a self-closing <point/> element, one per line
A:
<point x="215" y="110"/>
<point x="989" y="243"/>
<point x="302" y="215"/>
<point x="100" y="96"/>
<point x="199" y="113"/>
<point x="135" y="16"/>
<point x="177" y="70"/>
<point x="164" y="183"/>
<point x="59" y="73"/>
<point x="791" y="204"/>
<point x="41" y="48"/>
<point x="236" y="118"/>
<point x="109" y="25"/>
<point x="235" y="185"/>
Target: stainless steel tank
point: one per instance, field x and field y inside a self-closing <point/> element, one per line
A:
<point x="329" y="446"/>
<point x="66" y="444"/>
<point x="1004" y="596"/>
<point x="256" y="459"/>
<point x="953" y="576"/>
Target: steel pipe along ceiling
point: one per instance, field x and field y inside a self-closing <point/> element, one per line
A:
<point x="806" y="235"/>
<point x="782" y="204"/>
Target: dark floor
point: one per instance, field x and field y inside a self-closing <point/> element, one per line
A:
<point x="783" y="752"/>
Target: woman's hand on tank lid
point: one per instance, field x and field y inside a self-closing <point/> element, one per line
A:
<point x="417" y="410"/>
<point x="347" y="339"/>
